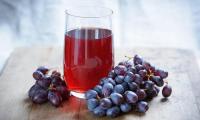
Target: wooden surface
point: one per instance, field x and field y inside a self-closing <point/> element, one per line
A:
<point x="16" y="79"/>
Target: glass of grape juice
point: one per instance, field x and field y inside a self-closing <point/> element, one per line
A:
<point x="88" y="47"/>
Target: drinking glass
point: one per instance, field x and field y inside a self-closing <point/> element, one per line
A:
<point x="88" y="47"/>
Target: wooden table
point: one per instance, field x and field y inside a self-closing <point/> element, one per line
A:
<point x="16" y="79"/>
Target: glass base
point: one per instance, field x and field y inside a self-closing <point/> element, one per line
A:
<point x="78" y="95"/>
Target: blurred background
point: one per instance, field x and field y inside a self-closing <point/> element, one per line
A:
<point x="136" y="23"/>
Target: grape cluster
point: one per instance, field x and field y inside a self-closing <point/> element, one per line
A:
<point x="49" y="86"/>
<point x="128" y="86"/>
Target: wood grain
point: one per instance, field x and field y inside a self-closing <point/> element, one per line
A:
<point x="16" y="79"/>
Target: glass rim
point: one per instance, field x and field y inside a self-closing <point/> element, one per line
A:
<point x="67" y="12"/>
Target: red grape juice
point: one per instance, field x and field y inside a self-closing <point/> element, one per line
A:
<point x="88" y="56"/>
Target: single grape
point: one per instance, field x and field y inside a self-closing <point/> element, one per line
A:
<point x="91" y="94"/>
<point x="37" y="75"/>
<point x="141" y="94"/>
<point x="166" y="91"/>
<point x="142" y="106"/>
<point x="92" y="104"/>
<point x="55" y="73"/>
<point x="99" y="111"/>
<point x="33" y="89"/>
<point x="98" y="89"/>
<point x="63" y="91"/>
<point x="132" y="69"/>
<point x="55" y="98"/>
<point x="112" y="74"/>
<point x="56" y="81"/>
<point x="152" y="93"/>
<point x="142" y="73"/>
<point x="133" y="86"/>
<point x="125" y="86"/>
<point x="130" y="77"/>
<point x="157" y="80"/>
<point x="128" y="64"/>
<point x="146" y="65"/>
<point x="40" y="96"/>
<point x="110" y="80"/>
<point x="45" y="82"/>
<point x="131" y="97"/>
<point x="163" y="74"/>
<point x="120" y="70"/>
<point x="119" y="79"/>
<point x="119" y="89"/>
<point x="138" y="79"/>
<point x="113" y="112"/>
<point x="125" y="107"/>
<point x="148" y="85"/>
<point x="137" y="60"/>
<point x="139" y="67"/>
<point x="117" y="98"/>
<point x="107" y="89"/>
<point x="105" y="103"/>
<point x="43" y="69"/>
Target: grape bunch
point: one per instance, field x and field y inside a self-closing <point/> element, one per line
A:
<point x="128" y="86"/>
<point x="49" y="86"/>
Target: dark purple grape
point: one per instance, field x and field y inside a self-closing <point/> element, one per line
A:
<point x="148" y="85"/>
<point x="125" y="107"/>
<point x="157" y="80"/>
<point x="131" y="97"/>
<point x="110" y="80"/>
<point x="133" y="86"/>
<point x="146" y="65"/>
<point x="37" y="75"/>
<point x="56" y="81"/>
<point x="107" y="89"/>
<point x="138" y="79"/>
<point x="91" y="94"/>
<point x="98" y="89"/>
<point x="130" y="77"/>
<point x="63" y="91"/>
<point x="45" y="82"/>
<point x="40" y="96"/>
<point x="43" y="69"/>
<point x="99" y="111"/>
<point x="163" y="74"/>
<point x="142" y="106"/>
<point x="105" y="103"/>
<point x="119" y="89"/>
<point x="92" y="104"/>
<point x="137" y="60"/>
<point x="139" y="67"/>
<point x="55" y="73"/>
<point x="119" y="79"/>
<point x="113" y="112"/>
<point x="141" y="94"/>
<point x="142" y="73"/>
<point x="166" y="91"/>
<point x="120" y="70"/>
<point x="125" y="86"/>
<point x="55" y="98"/>
<point x="112" y="74"/>
<point x="132" y="69"/>
<point x="33" y="89"/>
<point x="152" y="93"/>
<point x="117" y="98"/>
